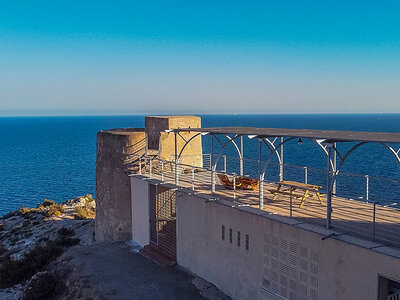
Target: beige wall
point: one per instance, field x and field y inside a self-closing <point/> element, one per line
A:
<point x="165" y="142"/>
<point x="284" y="257"/>
<point x="140" y="210"/>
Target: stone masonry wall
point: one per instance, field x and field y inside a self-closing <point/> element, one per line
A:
<point x="114" y="215"/>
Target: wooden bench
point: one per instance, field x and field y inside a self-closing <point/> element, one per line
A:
<point x="226" y="182"/>
<point x="248" y="183"/>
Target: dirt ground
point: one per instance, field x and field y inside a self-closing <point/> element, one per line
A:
<point x="115" y="271"/>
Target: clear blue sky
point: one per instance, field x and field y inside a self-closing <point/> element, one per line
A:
<point x="114" y="57"/>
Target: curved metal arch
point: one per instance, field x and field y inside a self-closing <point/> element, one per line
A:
<point x="285" y="141"/>
<point x="231" y="140"/>
<point x="187" y="143"/>
<point x="396" y="154"/>
<point x="271" y="148"/>
<point x="236" y="146"/>
<point x="336" y="173"/>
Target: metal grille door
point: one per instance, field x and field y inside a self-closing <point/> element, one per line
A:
<point x="163" y="219"/>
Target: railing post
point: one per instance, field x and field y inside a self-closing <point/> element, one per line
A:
<point x="140" y="165"/>
<point x="305" y="175"/>
<point x="334" y="169"/>
<point x="212" y="166"/>
<point x="260" y="176"/>
<point x="162" y="170"/>
<point x="192" y="179"/>
<point x="176" y="161"/>
<point x="328" y="189"/>
<point x="234" y="186"/>
<point x="151" y="168"/>
<point x="373" y="222"/>
<point x="224" y="163"/>
<point x="281" y="166"/>
<point x="241" y="155"/>
<point x="366" y="188"/>
<point x="291" y="201"/>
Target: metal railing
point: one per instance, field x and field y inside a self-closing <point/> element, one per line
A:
<point x="359" y="213"/>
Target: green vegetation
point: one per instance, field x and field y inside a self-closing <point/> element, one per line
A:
<point x="81" y="213"/>
<point x="89" y="198"/>
<point x="85" y="212"/>
<point x="54" y="210"/>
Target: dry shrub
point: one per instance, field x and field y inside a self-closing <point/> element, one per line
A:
<point x="55" y="210"/>
<point x="44" y="285"/>
<point x="84" y="212"/>
<point x="89" y="198"/>
<point x="15" y="271"/>
<point x="48" y="202"/>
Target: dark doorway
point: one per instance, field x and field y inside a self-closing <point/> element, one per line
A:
<point x="163" y="219"/>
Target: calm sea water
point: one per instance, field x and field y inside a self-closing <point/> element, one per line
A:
<point x="55" y="157"/>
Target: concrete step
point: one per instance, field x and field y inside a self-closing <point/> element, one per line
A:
<point x="152" y="252"/>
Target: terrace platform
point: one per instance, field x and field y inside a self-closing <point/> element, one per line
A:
<point x="348" y="216"/>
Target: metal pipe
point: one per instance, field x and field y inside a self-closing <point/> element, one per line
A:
<point x="373" y="223"/>
<point x="224" y="163"/>
<point x="241" y="155"/>
<point x="291" y="202"/>
<point x="305" y="175"/>
<point x="328" y="189"/>
<point x="261" y="185"/>
<point x="234" y="186"/>
<point x="366" y="188"/>
<point x="334" y="169"/>
<point x="281" y="156"/>
<point x="212" y="166"/>
<point x="140" y="165"/>
<point x="151" y="168"/>
<point x="176" y="160"/>
<point x="192" y="179"/>
<point x="162" y="170"/>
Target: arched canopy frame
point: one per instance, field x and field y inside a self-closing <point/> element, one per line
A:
<point x="395" y="153"/>
<point x="284" y="141"/>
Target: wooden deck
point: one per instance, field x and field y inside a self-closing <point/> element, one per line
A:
<point x="348" y="216"/>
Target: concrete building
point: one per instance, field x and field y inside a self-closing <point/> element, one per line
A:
<point x="253" y="239"/>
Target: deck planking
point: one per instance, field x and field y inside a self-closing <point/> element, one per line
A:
<point x="350" y="216"/>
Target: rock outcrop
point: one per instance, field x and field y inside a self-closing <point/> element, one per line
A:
<point x="32" y="239"/>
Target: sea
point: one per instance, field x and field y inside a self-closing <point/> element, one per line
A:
<point x="55" y="157"/>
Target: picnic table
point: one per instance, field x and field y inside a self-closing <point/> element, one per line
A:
<point x="296" y="190"/>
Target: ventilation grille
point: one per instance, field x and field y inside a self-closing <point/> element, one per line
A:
<point x="290" y="270"/>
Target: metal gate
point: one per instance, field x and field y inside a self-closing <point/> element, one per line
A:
<point x="163" y="219"/>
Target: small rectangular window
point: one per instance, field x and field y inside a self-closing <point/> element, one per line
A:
<point x="238" y="238"/>
<point x="247" y="242"/>
<point x="230" y="235"/>
<point x="223" y="232"/>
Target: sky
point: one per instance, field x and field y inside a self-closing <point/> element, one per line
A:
<point x="134" y="57"/>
